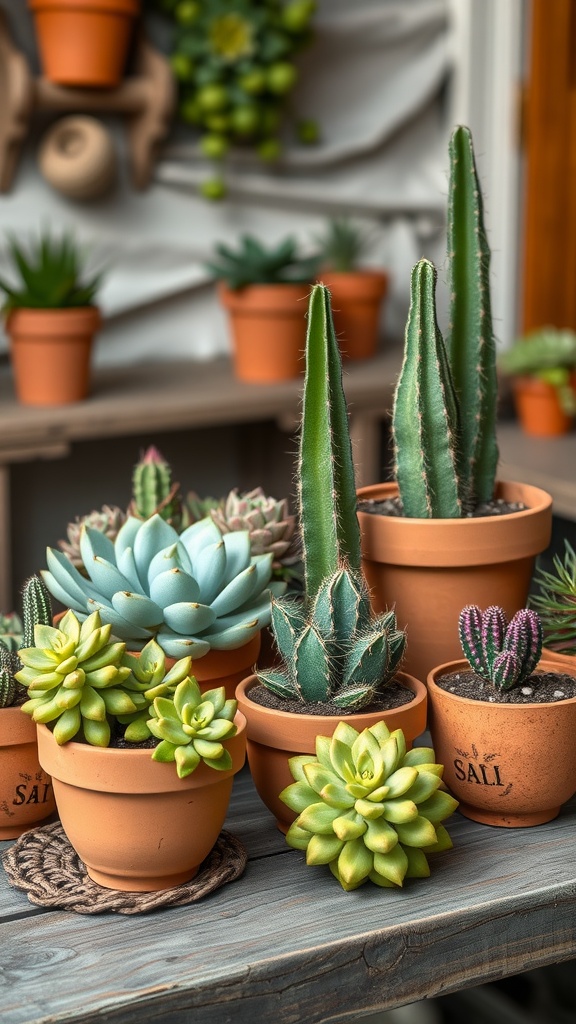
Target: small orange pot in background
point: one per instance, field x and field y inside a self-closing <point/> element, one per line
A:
<point x="538" y="408"/>
<point x="357" y="298"/>
<point x="26" y="794"/>
<point x="275" y="736"/>
<point x="50" y="350"/>
<point x="268" y="323"/>
<point x="84" y="42"/>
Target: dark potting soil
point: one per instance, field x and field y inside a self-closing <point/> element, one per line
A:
<point x="393" y="507"/>
<point x="394" y="695"/>
<point x="539" y="688"/>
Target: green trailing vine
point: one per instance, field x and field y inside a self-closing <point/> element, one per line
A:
<point x="234" y="65"/>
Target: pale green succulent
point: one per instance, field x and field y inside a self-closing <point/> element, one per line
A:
<point x="148" y="679"/>
<point x="192" y="592"/>
<point x="191" y="726"/>
<point x="74" y="678"/>
<point x="367" y="808"/>
<point x="106" y="520"/>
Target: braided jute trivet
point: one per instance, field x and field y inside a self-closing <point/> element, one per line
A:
<point x="44" y="865"/>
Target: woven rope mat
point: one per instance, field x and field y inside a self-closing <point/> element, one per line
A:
<point x="44" y="865"/>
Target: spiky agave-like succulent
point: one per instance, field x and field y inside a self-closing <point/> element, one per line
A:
<point x="502" y="653"/>
<point x="192" y="592"/>
<point x="106" y="520"/>
<point x="191" y="727"/>
<point x="367" y="808"/>
<point x="74" y="678"/>
<point x="556" y="601"/>
<point x="333" y="649"/>
<point x="271" y="526"/>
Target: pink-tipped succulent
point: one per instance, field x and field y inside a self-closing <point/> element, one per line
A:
<point x="501" y="652"/>
<point x="271" y="526"/>
<point x="153" y="491"/>
<point x="107" y="520"/>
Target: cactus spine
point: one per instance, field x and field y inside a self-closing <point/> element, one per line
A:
<point x="425" y="415"/>
<point x="471" y="342"/>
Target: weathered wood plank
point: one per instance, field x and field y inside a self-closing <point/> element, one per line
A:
<point x="286" y="943"/>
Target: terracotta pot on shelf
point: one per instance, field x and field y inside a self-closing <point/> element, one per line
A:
<point x="357" y="298"/>
<point x="275" y="736"/>
<point x="511" y="765"/>
<point x="268" y="325"/>
<point x="429" y="569"/>
<point x="538" y="408"/>
<point x="26" y="794"/>
<point x="84" y="42"/>
<point x="135" y="825"/>
<point x="50" y="350"/>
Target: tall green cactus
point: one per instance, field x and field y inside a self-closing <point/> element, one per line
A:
<point x="425" y="417"/>
<point x="327" y="492"/>
<point x="471" y="342"/>
<point x="36" y="608"/>
<point x="153" y="491"/>
<point x="9" y="664"/>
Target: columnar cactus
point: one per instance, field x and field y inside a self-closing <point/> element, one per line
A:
<point x="192" y="592"/>
<point x="9" y="665"/>
<point x="37" y="610"/>
<point x="367" y="808"/>
<point x="471" y="342"/>
<point x="426" y="418"/>
<point x="333" y="649"/>
<point x="153" y="491"/>
<point x="444" y="418"/>
<point x="504" y="654"/>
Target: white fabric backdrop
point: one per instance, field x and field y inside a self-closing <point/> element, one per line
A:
<point x="375" y="80"/>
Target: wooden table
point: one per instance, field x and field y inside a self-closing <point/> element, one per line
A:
<point x="156" y="397"/>
<point x="285" y="943"/>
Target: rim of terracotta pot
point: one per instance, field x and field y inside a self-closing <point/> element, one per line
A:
<point x="267" y="725"/>
<point x="462" y="665"/>
<point x="116" y="770"/>
<point x="44" y="322"/>
<point x="365" y="283"/>
<point x="16" y="727"/>
<point x="567" y="660"/>
<point x="263" y="298"/>
<point x="130" y="7"/>
<point x="448" y="542"/>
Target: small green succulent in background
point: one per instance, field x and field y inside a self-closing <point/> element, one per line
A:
<point x="153" y="491"/>
<point x="342" y="245"/>
<point x="106" y="520"/>
<point x="500" y="652"/>
<point x="36" y="609"/>
<point x="367" y="808"/>
<point x="555" y="601"/>
<point x="74" y="678"/>
<point x="254" y="263"/>
<point x="549" y="354"/>
<point x="191" y="727"/>
<point x="333" y="649"/>
<point x="272" y="528"/>
<point x="51" y="275"/>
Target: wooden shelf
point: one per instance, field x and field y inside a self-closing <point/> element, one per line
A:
<point x="285" y="943"/>
<point x="547" y="462"/>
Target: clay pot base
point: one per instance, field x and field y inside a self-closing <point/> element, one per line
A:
<point x="43" y="864"/>
<point x="500" y="820"/>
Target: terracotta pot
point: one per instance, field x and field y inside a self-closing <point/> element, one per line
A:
<point x="428" y="569"/>
<point x="50" y="351"/>
<point x="133" y="822"/>
<point x="538" y="408"/>
<point x="226" y="668"/>
<point x="84" y="42"/>
<point x="511" y="765"/>
<point x="275" y="736"/>
<point x="26" y="795"/>
<point x="357" y="299"/>
<point x="268" y="324"/>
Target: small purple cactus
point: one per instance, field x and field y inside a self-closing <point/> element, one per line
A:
<point x="502" y="653"/>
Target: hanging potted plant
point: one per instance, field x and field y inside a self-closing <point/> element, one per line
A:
<point x="542" y="366"/>
<point x="337" y="658"/>
<point x="26" y="795"/>
<point x="51" y="320"/>
<point x="263" y="291"/>
<point x="357" y="292"/>
<point x="503" y="721"/>
<point x="446" y="533"/>
<point x="92" y="703"/>
<point x="84" y="42"/>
